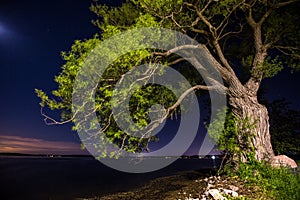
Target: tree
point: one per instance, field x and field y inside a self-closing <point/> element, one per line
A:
<point x="248" y="40"/>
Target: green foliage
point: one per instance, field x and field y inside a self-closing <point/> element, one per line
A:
<point x="274" y="183"/>
<point x="270" y="67"/>
<point x="119" y="17"/>
<point x="225" y="134"/>
<point x="233" y="137"/>
<point x="159" y="7"/>
<point x="222" y="8"/>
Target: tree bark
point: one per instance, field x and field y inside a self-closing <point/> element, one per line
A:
<point x="257" y="137"/>
<point x="244" y="105"/>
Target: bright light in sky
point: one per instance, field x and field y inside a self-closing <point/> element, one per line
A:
<point x="2" y="29"/>
<point x="7" y="35"/>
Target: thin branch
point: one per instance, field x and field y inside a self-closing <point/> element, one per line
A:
<point x="206" y="6"/>
<point x="53" y="121"/>
<point x="109" y="122"/>
<point x="199" y="31"/>
<point x="232" y="32"/>
<point x="281" y="4"/>
<point x="212" y="29"/>
<point x="225" y="20"/>
<point x="176" y="61"/>
<point x="276" y="6"/>
<point x="288" y="50"/>
<point x="291" y="48"/>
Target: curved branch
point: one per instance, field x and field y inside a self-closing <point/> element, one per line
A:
<point x="181" y="98"/>
<point x="231" y="32"/>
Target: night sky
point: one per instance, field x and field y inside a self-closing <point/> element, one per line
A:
<point x="32" y="35"/>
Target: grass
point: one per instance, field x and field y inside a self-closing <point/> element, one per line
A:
<point x="280" y="183"/>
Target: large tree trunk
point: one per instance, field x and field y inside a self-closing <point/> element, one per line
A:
<point x="256" y="136"/>
<point x="255" y="133"/>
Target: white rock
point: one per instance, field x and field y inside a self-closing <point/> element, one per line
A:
<point x="203" y="197"/>
<point x="216" y="194"/>
<point x="233" y="188"/>
<point x="230" y="192"/>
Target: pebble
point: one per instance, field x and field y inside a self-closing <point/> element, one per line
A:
<point x="233" y="188"/>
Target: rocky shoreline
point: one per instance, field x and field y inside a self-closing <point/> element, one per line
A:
<point x="191" y="185"/>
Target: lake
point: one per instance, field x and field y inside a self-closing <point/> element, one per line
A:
<point x="74" y="177"/>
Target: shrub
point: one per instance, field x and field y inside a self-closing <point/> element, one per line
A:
<point x="277" y="183"/>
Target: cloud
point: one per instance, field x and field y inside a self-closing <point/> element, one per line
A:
<point x="17" y="144"/>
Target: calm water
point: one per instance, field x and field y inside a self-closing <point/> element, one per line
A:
<point x="67" y="178"/>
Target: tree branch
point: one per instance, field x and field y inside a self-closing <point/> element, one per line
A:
<point x="276" y="6"/>
<point x="185" y="94"/>
<point x="232" y="32"/>
<point x="282" y="4"/>
<point x="175" y="49"/>
<point x="261" y="49"/>
<point x="224" y="23"/>
<point x="53" y="121"/>
<point x="176" y="61"/>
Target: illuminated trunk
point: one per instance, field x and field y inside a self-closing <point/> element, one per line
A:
<point x="247" y="108"/>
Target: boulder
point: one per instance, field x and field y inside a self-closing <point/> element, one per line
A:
<point x="283" y="160"/>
